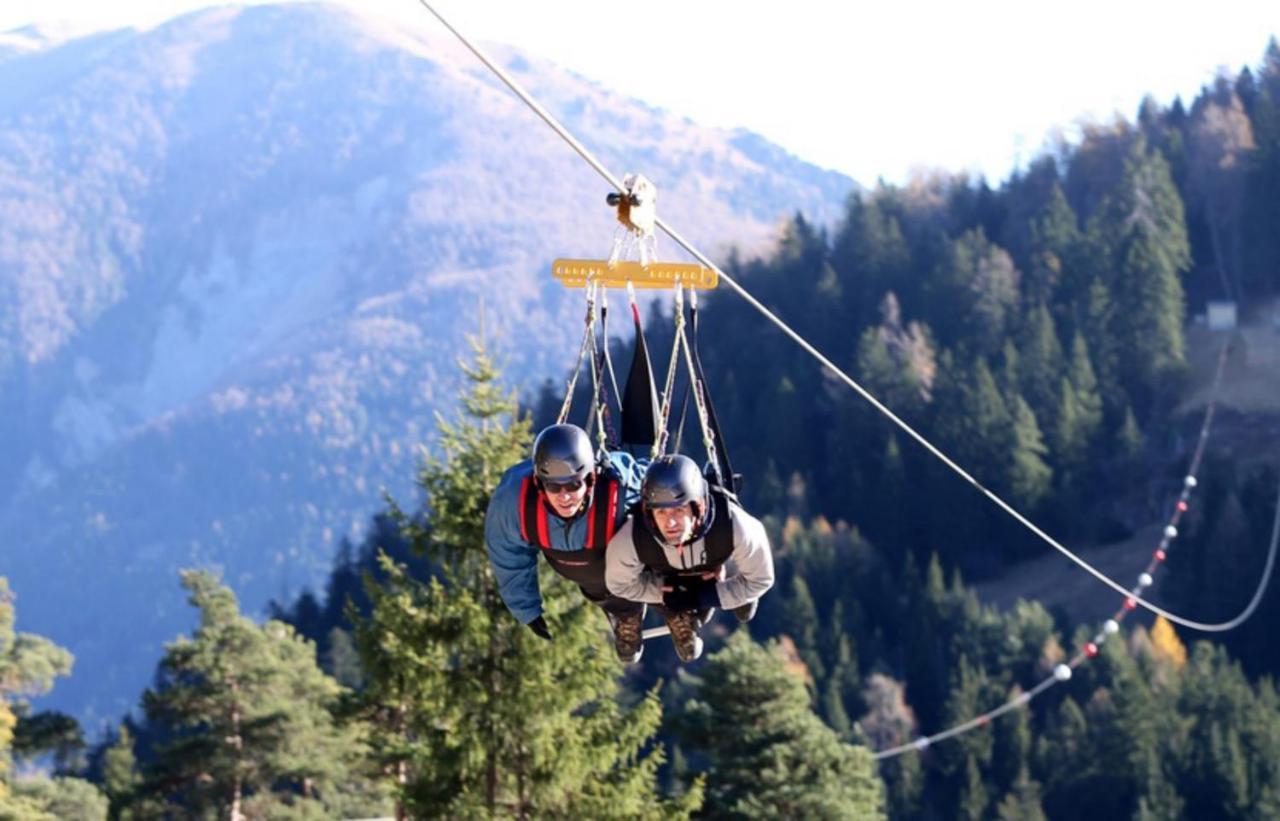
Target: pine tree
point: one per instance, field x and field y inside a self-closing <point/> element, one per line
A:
<point x="475" y="715"/>
<point x="1040" y="363"/>
<point x="1080" y="409"/>
<point x="1029" y="476"/>
<point x="1141" y="229"/>
<point x="769" y="755"/>
<point x="976" y="293"/>
<point x="28" y="666"/>
<point x="1129" y="437"/>
<point x="801" y="623"/>
<point x="973" y="797"/>
<point x="120" y="778"/>
<point x="1054" y="237"/>
<point x="1022" y="802"/>
<point x="245" y="712"/>
<point x="1069" y="442"/>
<point x="1098" y="313"/>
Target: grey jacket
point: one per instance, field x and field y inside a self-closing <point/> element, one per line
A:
<point x="748" y="573"/>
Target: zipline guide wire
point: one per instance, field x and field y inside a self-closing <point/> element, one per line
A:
<point x="1063" y="672"/>
<point x="831" y="366"/>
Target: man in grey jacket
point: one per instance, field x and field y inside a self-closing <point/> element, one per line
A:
<point x="689" y="547"/>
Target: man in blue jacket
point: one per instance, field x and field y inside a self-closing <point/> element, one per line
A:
<point x="564" y="506"/>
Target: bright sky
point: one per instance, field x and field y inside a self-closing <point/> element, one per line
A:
<point x="873" y="90"/>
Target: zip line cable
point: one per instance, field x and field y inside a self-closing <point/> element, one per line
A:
<point x="1063" y="672"/>
<point x="589" y="158"/>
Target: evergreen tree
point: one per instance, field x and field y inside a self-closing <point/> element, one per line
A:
<point x="1080" y="394"/>
<point x="1141" y="230"/>
<point x="475" y="715"/>
<point x="801" y="623"/>
<point x="975" y="423"/>
<point x="1022" y="802"/>
<point x="120" y="778"/>
<point x="1054" y="235"/>
<point x="769" y="755"/>
<point x="245" y="712"/>
<point x="973" y="797"/>
<point x="28" y="666"/>
<point x="1069" y="441"/>
<point x="975" y="293"/>
<point x="1128" y="437"/>
<point x="1029" y="476"/>
<point x="1040" y="363"/>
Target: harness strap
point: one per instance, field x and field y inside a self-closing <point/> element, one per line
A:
<point x="718" y="541"/>
<point x="533" y="511"/>
<point x="602" y="513"/>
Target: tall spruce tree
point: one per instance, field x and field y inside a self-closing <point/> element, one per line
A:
<point x="1029" y="476"/>
<point x="244" y="714"/>
<point x="476" y="716"/>
<point x="1141" y="231"/>
<point x="120" y="778"/>
<point x="769" y="756"/>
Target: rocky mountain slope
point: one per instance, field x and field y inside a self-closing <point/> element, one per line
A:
<point x="239" y="256"/>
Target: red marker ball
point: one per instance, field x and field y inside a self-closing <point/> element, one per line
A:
<point x="1130" y="603"/>
<point x="1182" y="507"/>
<point x="1091" y="650"/>
<point x="1160" y="555"/>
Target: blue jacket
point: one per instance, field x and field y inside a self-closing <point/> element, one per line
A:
<point x="515" y="561"/>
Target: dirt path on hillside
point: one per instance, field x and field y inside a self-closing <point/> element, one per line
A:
<point x="1247" y="429"/>
<point x="1057" y="582"/>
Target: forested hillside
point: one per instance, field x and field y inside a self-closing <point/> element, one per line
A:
<point x="239" y="252"/>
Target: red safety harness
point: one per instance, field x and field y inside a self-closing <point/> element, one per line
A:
<point x="602" y="512"/>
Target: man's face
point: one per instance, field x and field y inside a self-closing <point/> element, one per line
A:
<point x="675" y="523"/>
<point x="565" y="498"/>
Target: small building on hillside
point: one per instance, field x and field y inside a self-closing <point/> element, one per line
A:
<point x="1222" y="315"/>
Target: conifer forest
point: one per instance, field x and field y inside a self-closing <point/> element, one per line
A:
<point x="1046" y="331"/>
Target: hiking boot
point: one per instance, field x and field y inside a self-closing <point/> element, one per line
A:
<point x="746" y="612"/>
<point x="628" y="636"/>
<point x="684" y="634"/>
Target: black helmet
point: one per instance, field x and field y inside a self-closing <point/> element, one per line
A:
<point x="562" y="453"/>
<point x="672" y="481"/>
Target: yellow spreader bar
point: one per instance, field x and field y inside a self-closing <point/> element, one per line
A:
<point x="576" y="273"/>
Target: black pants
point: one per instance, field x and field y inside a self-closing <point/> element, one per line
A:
<point x="611" y="604"/>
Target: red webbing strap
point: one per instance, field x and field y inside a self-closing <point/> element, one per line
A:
<point x="604" y="511"/>
<point x="611" y="518"/>
<point x="532" y="508"/>
<point x="544" y="540"/>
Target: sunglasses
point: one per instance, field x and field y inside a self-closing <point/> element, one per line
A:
<point x="571" y="486"/>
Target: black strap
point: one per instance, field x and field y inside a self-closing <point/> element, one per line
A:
<point x="601" y="513"/>
<point x="640" y="396"/>
<point x="718" y="540"/>
<point x="724" y="468"/>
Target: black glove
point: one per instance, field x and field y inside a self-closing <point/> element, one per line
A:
<point x="539" y="627"/>
<point x="690" y="594"/>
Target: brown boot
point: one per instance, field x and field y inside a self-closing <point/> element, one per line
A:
<point x="684" y="634"/>
<point x="628" y="636"/>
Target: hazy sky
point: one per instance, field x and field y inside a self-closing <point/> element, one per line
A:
<point x="873" y="90"/>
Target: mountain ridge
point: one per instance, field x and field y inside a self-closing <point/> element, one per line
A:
<point x="239" y="252"/>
